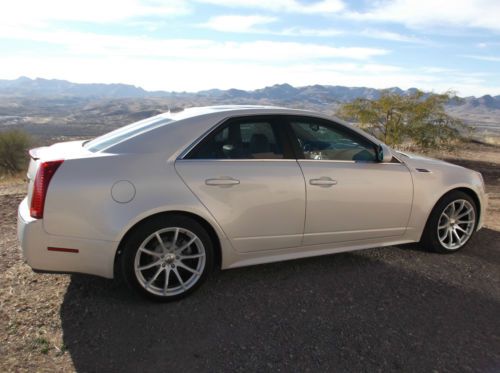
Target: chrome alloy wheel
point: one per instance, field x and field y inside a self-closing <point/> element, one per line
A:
<point x="456" y="224"/>
<point x="170" y="261"/>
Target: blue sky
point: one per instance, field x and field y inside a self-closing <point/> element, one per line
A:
<point x="248" y="44"/>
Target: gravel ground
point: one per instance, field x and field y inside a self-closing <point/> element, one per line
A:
<point x="390" y="309"/>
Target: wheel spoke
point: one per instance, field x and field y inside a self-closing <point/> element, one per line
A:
<point x="148" y="284"/>
<point x="167" y="278"/>
<point x="464" y="214"/>
<point x="195" y="256"/>
<point x="150" y="265"/>
<point x="182" y="265"/>
<point x="465" y="221"/>
<point x="456" y="235"/>
<point x="176" y="236"/>
<point x="184" y="247"/>
<point x="450" y="239"/>
<point x="460" y="228"/>
<point x="460" y="206"/>
<point x="158" y="237"/>
<point x="149" y="252"/>
<point x="179" y="277"/>
<point x="452" y="212"/>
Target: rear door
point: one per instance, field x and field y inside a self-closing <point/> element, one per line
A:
<point x="246" y="176"/>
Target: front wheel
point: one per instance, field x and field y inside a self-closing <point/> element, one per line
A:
<point x="451" y="224"/>
<point x="167" y="258"/>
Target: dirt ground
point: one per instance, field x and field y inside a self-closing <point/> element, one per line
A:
<point x="385" y="309"/>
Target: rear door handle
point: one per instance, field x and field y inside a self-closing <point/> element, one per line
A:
<point x="323" y="181"/>
<point x="222" y="181"/>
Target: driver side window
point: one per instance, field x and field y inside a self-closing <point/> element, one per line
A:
<point x="324" y="142"/>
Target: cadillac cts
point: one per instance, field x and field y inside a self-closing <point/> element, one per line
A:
<point x="166" y="200"/>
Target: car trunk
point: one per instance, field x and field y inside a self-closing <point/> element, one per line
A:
<point x="58" y="151"/>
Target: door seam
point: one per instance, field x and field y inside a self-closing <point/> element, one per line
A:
<point x="305" y="203"/>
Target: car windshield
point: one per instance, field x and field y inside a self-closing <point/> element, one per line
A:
<point x="124" y="133"/>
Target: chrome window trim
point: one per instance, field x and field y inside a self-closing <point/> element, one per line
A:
<point x="346" y="161"/>
<point x="282" y="160"/>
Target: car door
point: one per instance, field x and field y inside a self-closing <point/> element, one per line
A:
<point x="245" y="174"/>
<point x="350" y="195"/>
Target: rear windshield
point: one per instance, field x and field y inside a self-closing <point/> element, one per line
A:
<point x="124" y="133"/>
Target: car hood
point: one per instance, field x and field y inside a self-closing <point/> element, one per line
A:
<point x="421" y="161"/>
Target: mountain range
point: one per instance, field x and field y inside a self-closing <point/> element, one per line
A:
<point x="47" y="107"/>
<point x="313" y="94"/>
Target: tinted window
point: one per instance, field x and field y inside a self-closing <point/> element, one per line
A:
<point x="318" y="140"/>
<point x="243" y="139"/>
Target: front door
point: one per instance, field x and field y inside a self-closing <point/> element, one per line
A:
<point x="350" y="195"/>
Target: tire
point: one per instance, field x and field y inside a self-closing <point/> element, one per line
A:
<point x="455" y="215"/>
<point x="173" y="268"/>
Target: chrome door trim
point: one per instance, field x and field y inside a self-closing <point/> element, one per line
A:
<point x="237" y="160"/>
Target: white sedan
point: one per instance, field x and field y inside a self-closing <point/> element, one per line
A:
<point x="166" y="200"/>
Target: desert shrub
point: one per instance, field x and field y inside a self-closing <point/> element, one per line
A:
<point x="417" y="117"/>
<point x="13" y="151"/>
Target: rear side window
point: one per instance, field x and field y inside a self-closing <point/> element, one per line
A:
<point x="240" y="139"/>
<point x="124" y="133"/>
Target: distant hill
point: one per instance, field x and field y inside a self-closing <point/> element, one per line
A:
<point x="24" y="86"/>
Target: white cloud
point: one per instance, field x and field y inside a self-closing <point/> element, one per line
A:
<point x="256" y="24"/>
<point x="80" y="43"/>
<point x="238" y="23"/>
<point x="36" y="12"/>
<point x="392" y="36"/>
<point x="300" y="31"/>
<point x="290" y="6"/>
<point x="421" y="13"/>
<point x="483" y="58"/>
<point x="490" y="44"/>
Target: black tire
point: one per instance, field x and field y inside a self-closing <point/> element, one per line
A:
<point x="430" y="239"/>
<point x="146" y="231"/>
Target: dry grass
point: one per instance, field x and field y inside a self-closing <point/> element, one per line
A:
<point x="31" y="334"/>
<point x="492" y="140"/>
<point x="30" y="323"/>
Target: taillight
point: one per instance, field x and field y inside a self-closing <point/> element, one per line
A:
<point x="45" y="172"/>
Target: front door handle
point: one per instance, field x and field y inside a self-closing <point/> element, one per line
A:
<point x="222" y="181"/>
<point x="323" y="181"/>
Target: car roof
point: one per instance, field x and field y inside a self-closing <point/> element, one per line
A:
<point x="230" y="110"/>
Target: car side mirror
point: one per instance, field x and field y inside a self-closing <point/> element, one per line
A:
<point x="384" y="154"/>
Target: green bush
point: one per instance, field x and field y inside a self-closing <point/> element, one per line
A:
<point x="14" y="145"/>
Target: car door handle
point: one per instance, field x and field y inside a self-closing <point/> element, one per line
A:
<point x="323" y="181"/>
<point x="222" y="181"/>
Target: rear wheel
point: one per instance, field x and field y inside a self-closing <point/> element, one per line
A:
<point x="167" y="258"/>
<point x="451" y="224"/>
